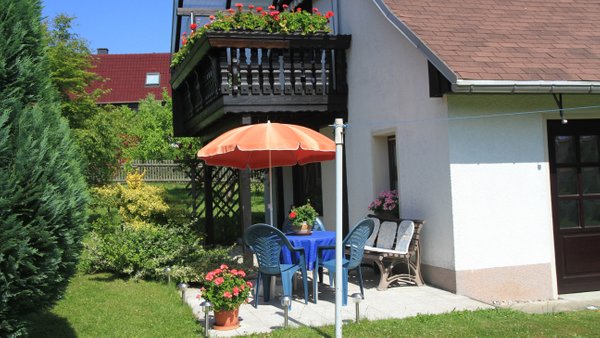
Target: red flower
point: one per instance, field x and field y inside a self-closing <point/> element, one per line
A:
<point x="250" y="6"/>
<point x="227" y="294"/>
<point x="329" y="14"/>
<point x="231" y="10"/>
<point x="271" y="7"/>
<point x="219" y="280"/>
<point x="298" y="9"/>
<point x="285" y="6"/>
<point x="292" y="215"/>
<point x="209" y="276"/>
<point x="236" y="291"/>
<point x="315" y="10"/>
<point x="259" y="9"/>
<point x="241" y="273"/>
<point x="239" y="5"/>
<point x="193" y="26"/>
<point x="212" y="18"/>
<point x="274" y="13"/>
<point x="234" y="272"/>
<point x="249" y="283"/>
<point x="224" y="267"/>
<point x="183" y="40"/>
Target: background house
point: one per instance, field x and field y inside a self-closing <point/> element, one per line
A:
<point x="468" y="93"/>
<point x="131" y="77"/>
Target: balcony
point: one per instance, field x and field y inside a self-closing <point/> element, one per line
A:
<point x="231" y="76"/>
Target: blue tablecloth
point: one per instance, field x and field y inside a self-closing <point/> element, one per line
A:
<point x="310" y="244"/>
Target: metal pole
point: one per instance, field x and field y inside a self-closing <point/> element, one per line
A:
<point x="339" y="143"/>
<point x="270" y="183"/>
<point x="285" y="302"/>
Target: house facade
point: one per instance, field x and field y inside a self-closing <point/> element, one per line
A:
<point x="468" y="100"/>
<point x="508" y="191"/>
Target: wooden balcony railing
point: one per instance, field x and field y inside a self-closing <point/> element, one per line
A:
<point x="227" y="74"/>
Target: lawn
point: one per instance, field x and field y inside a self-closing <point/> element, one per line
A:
<point x="103" y="306"/>
<point x="482" y="323"/>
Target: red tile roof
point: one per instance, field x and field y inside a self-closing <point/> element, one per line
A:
<point x="125" y="75"/>
<point x="518" y="40"/>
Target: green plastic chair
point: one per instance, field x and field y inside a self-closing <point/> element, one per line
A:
<point x="355" y="243"/>
<point x="266" y="242"/>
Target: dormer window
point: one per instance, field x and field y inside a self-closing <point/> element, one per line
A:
<point x="152" y="79"/>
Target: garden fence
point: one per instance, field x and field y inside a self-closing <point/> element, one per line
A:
<point x="156" y="171"/>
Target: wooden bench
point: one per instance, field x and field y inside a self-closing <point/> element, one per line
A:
<point x="380" y="251"/>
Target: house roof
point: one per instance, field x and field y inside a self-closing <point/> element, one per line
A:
<point x="519" y="42"/>
<point x="125" y="75"/>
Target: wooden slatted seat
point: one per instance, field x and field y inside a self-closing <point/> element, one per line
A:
<point x="389" y="250"/>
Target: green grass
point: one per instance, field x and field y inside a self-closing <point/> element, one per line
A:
<point x="103" y="306"/>
<point x="483" y="323"/>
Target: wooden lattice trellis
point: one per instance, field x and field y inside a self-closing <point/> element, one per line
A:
<point x="215" y="193"/>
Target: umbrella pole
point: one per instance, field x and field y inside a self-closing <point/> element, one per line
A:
<point x="270" y="191"/>
<point x="339" y="250"/>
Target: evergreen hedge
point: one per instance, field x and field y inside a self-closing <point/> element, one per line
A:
<point x="43" y="196"/>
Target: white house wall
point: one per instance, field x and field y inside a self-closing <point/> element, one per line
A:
<point x="389" y="94"/>
<point x="501" y="194"/>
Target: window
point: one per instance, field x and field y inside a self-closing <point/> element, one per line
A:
<point x="391" y="142"/>
<point x="152" y="79"/>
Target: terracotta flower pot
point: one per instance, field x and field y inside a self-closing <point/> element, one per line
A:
<point x="227" y="319"/>
<point x="304" y="229"/>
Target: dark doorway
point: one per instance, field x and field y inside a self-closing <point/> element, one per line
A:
<point x="574" y="154"/>
<point x="307" y="185"/>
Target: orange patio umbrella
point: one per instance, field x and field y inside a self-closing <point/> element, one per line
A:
<point x="267" y="145"/>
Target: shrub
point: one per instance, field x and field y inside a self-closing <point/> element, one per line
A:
<point x="136" y="234"/>
<point x="43" y="197"/>
<point x="137" y="204"/>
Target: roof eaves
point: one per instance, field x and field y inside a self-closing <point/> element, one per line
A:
<point x="507" y="86"/>
<point x="418" y="43"/>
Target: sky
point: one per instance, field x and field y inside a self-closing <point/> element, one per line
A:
<point x="122" y="26"/>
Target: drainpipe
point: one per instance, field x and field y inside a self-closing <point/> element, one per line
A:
<point x="335" y="7"/>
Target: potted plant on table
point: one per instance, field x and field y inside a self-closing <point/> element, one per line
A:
<point x="303" y="218"/>
<point x="226" y="289"/>
<point x="386" y="205"/>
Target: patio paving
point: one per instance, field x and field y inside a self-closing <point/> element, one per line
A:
<point x="397" y="302"/>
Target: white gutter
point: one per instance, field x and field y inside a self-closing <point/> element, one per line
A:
<point x="503" y="86"/>
<point x="485" y="86"/>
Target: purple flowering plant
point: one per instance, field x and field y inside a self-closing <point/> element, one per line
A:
<point x="386" y="202"/>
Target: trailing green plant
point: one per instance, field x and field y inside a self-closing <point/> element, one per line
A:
<point x="43" y="195"/>
<point x="287" y="21"/>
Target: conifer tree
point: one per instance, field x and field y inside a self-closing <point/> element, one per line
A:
<point x="43" y="196"/>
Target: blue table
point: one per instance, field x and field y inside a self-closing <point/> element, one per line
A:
<point x="310" y="244"/>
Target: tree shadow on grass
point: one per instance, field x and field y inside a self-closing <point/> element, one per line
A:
<point x="106" y="277"/>
<point x="47" y="324"/>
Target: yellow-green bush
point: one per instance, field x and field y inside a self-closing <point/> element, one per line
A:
<point x="138" y="204"/>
